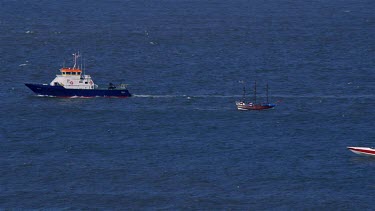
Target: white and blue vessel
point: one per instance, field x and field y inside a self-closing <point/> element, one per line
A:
<point x="72" y="82"/>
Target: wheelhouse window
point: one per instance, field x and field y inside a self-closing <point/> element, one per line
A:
<point x="68" y="73"/>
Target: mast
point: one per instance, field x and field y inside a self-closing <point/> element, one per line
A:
<point x="84" y="67"/>
<point x="255" y="92"/>
<point x="74" y="60"/>
<point x="75" y="57"/>
<point x="81" y="62"/>
<point x="244" y="90"/>
<point x="244" y="93"/>
<point x="267" y="91"/>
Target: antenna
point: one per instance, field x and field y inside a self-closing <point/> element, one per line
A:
<point x="74" y="60"/>
<point x="75" y="57"/>
<point x="81" y="62"/>
<point x="84" y="66"/>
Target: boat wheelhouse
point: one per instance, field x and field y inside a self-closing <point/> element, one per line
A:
<point x="73" y="79"/>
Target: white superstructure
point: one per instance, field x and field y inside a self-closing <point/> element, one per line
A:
<point x="73" y="78"/>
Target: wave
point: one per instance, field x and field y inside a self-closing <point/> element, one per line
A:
<point x="186" y="96"/>
<point x="240" y="96"/>
<point x="325" y="96"/>
<point x="159" y="96"/>
<point x="271" y="96"/>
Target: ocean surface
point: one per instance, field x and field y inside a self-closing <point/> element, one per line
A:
<point x="179" y="143"/>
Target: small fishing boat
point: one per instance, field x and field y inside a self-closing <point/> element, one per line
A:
<point x="368" y="151"/>
<point x="73" y="82"/>
<point x="244" y="106"/>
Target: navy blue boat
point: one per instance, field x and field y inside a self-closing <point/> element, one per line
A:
<point x="73" y="83"/>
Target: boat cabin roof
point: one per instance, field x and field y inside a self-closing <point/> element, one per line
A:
<point x="67" y="69"/>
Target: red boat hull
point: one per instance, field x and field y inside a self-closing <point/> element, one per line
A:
<point x="257" y="107"/>
<point x="363" y="151"/>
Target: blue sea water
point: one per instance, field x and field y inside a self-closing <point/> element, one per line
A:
<point x="180" y="143"/>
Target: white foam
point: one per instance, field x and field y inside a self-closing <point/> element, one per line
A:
<point x="158" y="96"/>
<point x="271" y="96"/>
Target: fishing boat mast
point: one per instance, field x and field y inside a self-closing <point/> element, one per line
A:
<point x="244" y="91"/>
<point x="267" y="91"/>
<point x="244" y="94"/>
<point x="255" y="92"/>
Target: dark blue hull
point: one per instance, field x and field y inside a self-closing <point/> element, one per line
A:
<point x="60" y="91"/>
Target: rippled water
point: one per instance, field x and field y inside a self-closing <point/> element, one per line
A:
<point x="179" y="143"/>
